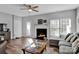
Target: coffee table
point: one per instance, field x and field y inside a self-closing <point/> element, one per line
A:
<point x="36" y="50"/>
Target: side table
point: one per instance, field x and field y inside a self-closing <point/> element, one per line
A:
<point x="53" y="42"/>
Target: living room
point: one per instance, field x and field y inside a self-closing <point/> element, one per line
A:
<point x="48" y="24"/>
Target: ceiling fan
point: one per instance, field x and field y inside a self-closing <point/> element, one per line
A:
<point x="30" y="8"/>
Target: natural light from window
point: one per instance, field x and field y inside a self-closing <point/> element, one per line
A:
<point x="60" y="27"/>
<point x="69" y="27"/>
<point x="28" y="26"/>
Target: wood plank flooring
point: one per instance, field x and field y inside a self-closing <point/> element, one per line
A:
<point x="51" y="50"/>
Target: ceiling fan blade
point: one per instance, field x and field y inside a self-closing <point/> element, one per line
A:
<point x="35" y="10"/>
<point x="28" y="6"/>
<point x="35" y="7"/>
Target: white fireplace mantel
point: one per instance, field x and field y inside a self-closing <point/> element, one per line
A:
<point x="42" y="26"/>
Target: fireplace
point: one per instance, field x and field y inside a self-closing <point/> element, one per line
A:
<point x="41" y="34"/>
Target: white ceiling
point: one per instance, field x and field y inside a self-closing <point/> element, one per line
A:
<point x="15" y="9"/>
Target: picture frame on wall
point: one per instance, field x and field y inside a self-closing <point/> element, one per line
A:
<point x="44" y="21"/>
<point x="40" y="21"/>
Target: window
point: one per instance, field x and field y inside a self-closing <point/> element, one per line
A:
<point x="54" y="27"/>
<point x="28" y="26"/>
<point x="59" y="27"/>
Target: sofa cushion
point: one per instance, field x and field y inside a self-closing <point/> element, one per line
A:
<point x="64" y="43"/>
<point x="69" y="38"/>
<point x="77" y="51"/>
<point x="75" y="45"/>
<point x="75" y="48"/>
<point x="65" y="50"/>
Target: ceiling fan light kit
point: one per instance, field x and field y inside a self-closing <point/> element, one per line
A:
<point x="30" y="10"/>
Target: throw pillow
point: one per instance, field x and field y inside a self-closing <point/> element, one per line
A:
<point x="76" y="48"/>
<point x="67" y="35"/>
<point x="73" y="38"/>
<point x="69" y="38"/>
<point x="75" y="42"/>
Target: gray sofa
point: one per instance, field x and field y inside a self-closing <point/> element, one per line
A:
<point x="70" y="45"/>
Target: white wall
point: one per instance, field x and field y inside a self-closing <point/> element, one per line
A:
<point x="9" y="20"/>
<point x="77" y="19"/>
<point x="17" y="26"/>
<point x="48" y="17"/>
<point x="6" y="18"/>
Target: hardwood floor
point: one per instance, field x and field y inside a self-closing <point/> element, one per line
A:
<point x="21" y="44"/>
<point x="51" y="50"/>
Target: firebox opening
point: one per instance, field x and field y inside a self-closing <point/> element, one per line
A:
<point x="41" y="34"/>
